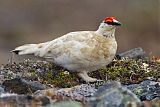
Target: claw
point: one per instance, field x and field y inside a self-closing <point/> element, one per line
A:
<point x="86" y="78"/>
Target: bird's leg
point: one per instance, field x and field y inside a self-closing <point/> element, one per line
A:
<point x="85" y="77"/>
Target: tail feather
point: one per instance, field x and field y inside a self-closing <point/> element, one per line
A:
<point x="26" y="49"/>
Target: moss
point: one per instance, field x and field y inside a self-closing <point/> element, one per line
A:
<point x="129" y="70"/>
<point x="125" y="70"/>
<point x="115" y="72"/>
<point x="59" y="78"/>
<point x="138" y="91"/>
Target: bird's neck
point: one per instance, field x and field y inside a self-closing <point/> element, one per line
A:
<point x="107" y="31"/>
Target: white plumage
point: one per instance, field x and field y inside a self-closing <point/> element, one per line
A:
<point x="81" y="51"/>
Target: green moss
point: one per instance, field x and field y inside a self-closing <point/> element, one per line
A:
<point x="138" y="91"/>
<point x="60" y="79"/>
<point x="129" y="70"/>
<point x="126" y="71"/>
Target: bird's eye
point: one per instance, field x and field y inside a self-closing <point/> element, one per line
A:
<point x="109" y="22"/>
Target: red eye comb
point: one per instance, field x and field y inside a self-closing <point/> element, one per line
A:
<point x="109" y="19"/>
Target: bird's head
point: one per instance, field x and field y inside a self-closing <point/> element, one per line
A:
<point x="108" y="24"/>
<point x="111" y="21"/>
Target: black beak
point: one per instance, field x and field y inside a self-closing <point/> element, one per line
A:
<point x="117" y="23"/>
<point x="114" y="23"/>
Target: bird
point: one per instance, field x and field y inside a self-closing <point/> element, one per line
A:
<point x="80" y="51"/>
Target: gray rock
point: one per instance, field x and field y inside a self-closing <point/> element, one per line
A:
<point x="85" y="90"/>
<point x="133" y="53"/>
<point x="1" y="89"/>
<point x="66" y="104"/>
<point x="77" y="93"/>
<point x="13" y="100"/>
<point x="146" y="90"/>
<point x="113" y="94"/>
<point x="22" y="86"/>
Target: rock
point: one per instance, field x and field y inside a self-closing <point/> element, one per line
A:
<point x="133" y="53"/>
<point x="66" y="104"/>
<point x="113" y="94"/>
<point x="79" y="93"/>
<point x="76" y="93"/>
<point x="83" y="89"/>
<point x="22" y="86"/>
<point x="7" y="95"/>
<point x="13" y="100"/>
<point x="146" y="90"/>
<point x="1" y="89"/>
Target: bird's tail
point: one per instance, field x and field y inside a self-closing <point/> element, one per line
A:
<point x="26" y="49"/>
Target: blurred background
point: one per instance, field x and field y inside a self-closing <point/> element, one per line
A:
<point x="34" y="21"/>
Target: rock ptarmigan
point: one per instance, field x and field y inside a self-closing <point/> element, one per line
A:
<point x="81" y="51"/>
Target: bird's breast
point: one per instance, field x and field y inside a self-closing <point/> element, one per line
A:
<point x="100" y="48"/>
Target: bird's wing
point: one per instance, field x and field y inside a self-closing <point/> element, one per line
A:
<point x="71" y="41"/>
